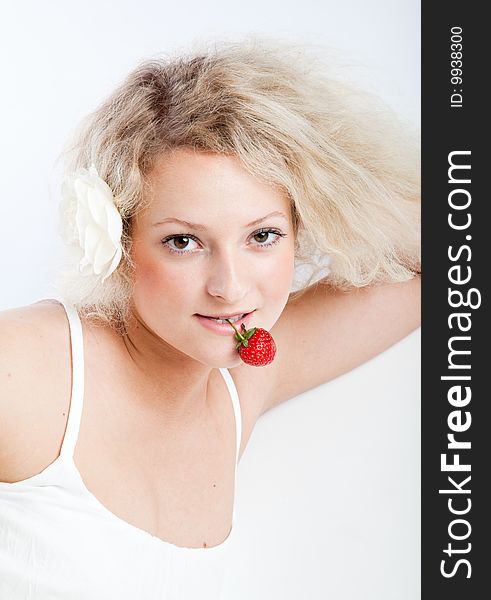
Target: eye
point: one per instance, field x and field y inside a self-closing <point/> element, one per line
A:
<point x="264" y="233"/>
<point x="181" y="243"/>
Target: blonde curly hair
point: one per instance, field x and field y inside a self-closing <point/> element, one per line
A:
<point x="349" y="166"/>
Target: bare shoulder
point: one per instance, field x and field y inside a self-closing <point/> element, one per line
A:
<point x="35" y="386"/>
<point x="326" y="332"/>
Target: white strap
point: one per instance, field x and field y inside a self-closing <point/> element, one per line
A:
<point x="238" y="428"/>
<point x="236" y="404"/>
<point x="77" y="392"/>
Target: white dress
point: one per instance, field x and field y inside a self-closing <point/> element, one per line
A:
<point x="58" y="542"/>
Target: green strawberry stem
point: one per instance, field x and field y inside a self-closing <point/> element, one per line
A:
<point x="243" y="339"/>
<point x="240" y="337"/>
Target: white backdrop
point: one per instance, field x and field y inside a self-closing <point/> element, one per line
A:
<point x="328" y="496"/>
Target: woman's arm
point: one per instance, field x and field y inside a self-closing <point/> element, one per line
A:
<point x="327" y="332"/>
<point x="35" y="385"/>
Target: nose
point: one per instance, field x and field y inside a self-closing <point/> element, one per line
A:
<point x="228" y="278"/>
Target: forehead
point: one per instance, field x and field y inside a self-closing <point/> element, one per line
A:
<point x="204" y="186"/>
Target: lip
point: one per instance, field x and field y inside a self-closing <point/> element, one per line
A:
<point x="223" y="328"/>
<point x="239" y="312"/>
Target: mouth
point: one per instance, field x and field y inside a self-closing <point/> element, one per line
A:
<point x="221" y="318"/>
<point x="220" y="325"/>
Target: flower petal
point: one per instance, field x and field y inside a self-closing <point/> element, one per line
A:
<point x="92" y="221"/>
<point x="114" y="224"/>
<point x="97" y="206"/>
<point x="115" y="262"/>
<point x="103" y="255"/>
<point x="91" y="241"/>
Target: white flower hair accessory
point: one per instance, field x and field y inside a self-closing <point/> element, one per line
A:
<point x="90" y="222"/>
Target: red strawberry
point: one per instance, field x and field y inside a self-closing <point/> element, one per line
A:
<point x="255" y="346"/>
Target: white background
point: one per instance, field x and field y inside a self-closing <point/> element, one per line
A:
<point x="328" y="491"/>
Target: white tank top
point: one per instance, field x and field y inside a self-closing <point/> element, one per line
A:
<point x="58" y="542"/>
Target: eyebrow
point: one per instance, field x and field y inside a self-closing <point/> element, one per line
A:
<point x="199" y="227"/>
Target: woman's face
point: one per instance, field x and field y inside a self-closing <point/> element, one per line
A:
<point x="225" y="266"/>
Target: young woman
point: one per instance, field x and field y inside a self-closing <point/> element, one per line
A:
<point x="192" y="196"/>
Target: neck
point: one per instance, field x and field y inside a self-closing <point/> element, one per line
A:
<point x="168" y="382"/>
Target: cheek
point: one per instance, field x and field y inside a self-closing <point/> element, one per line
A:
<point x="157" y="283"/>
<point x="276" y="279"/>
